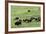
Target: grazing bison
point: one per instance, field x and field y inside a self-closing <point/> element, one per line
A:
<point x="28" y="20"/>
<point x="38" y="19"/>
<point x="18" y="22"/>
<point x="25" y="20"/>
<point x="31" y="18"/>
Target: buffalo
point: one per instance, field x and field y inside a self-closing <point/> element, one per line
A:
<point x="38" y="19"/>
<point x="18" y="22"/>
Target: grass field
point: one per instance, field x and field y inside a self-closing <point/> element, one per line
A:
<point x="22" y="13"/>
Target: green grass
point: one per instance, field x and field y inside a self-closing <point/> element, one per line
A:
<point x="22" y="13"/>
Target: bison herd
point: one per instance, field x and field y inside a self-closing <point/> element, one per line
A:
<point x="19" y="21"/>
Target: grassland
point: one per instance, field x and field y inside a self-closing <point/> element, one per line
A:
<point x="22" y="13"/>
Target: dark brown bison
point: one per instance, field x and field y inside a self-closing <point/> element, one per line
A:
<point x="38" y="19"/>
<point x="18" y="22"/>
